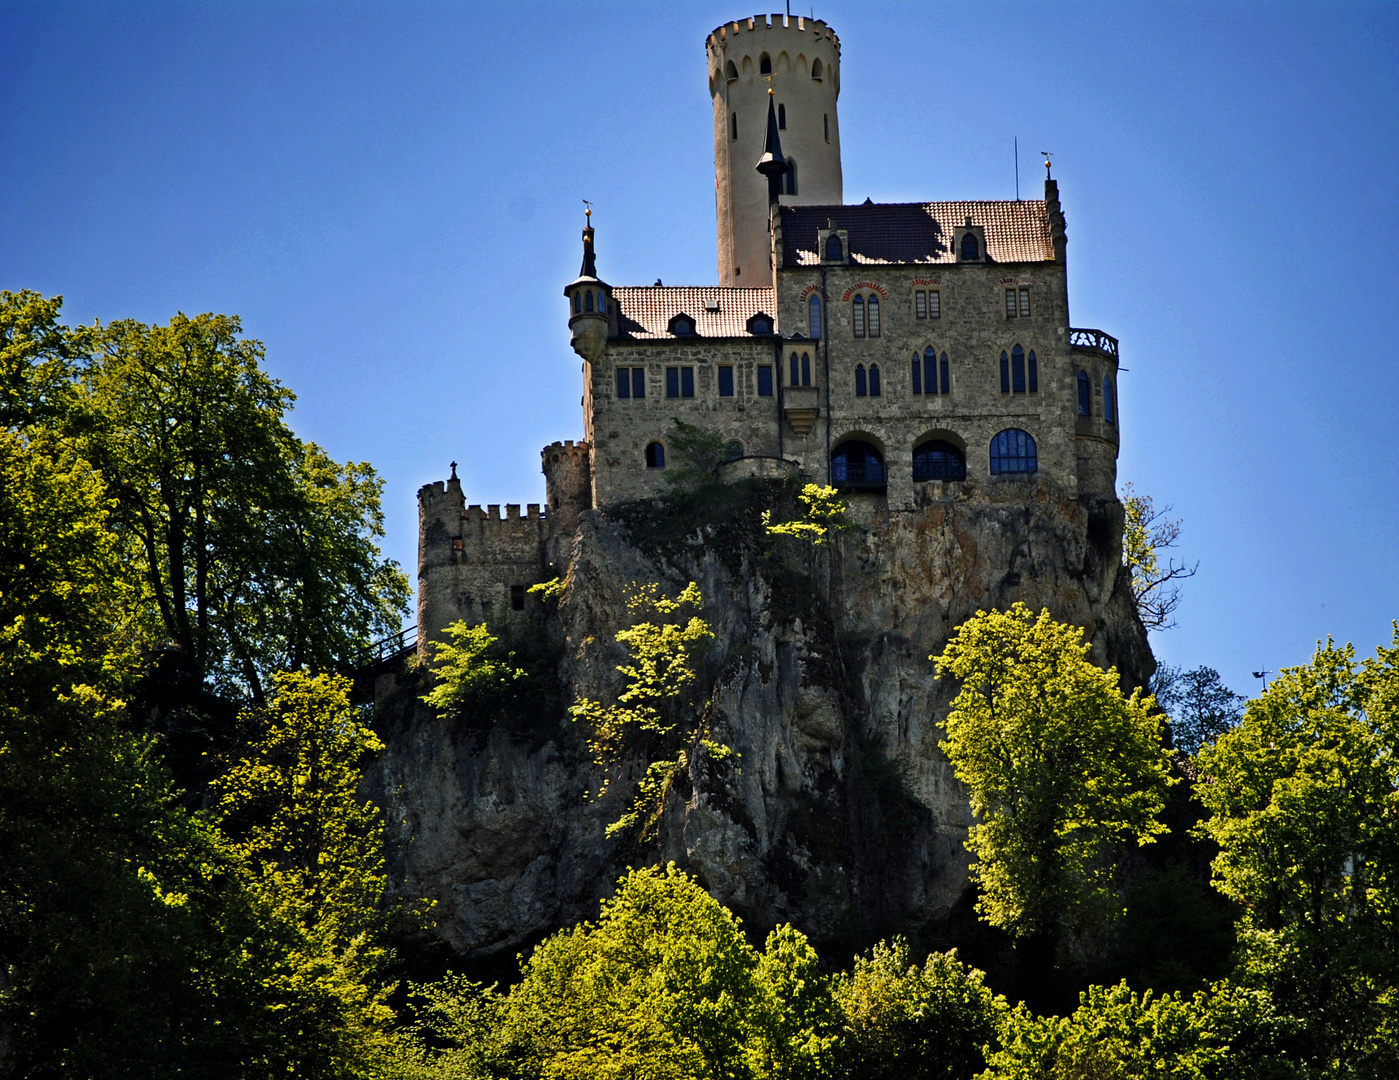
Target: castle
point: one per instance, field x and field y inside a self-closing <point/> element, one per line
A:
<point x="902" y="352"/>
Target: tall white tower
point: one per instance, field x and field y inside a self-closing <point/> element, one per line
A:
<point x="799" y="59"/>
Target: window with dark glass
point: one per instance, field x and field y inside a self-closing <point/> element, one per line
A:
<point x="765" y="380"/>
<point x="826" y="123"/>
<point x="631" y="382"/>
<point x="765" y="65"/>
<point x="1034" y="373"/>
<point x="782" y="117"/>
<point x="1017" y="370"/>
<point x="687" y="382"/>
<point x="672" y="382"/>
<point x="682" y="326"/>
<point x="790" y="179"/>
<point x="733" y="451"/>
<point x="934" y="304"/>
<point x="946" y="383"/>
<point x="874" y="380"/>
<point x="588" y="300"/>
<point x="939" y="460"/>
<point x="857" y="464"/>
<point x="917" y="374"/>
<point x="930" y="371"/>
<point x="857" y="316"/>
<point x="726" y="381"/>
<point x="969" y="246"/>
<point x="655" y="456"/>
<point x="1109" y="412"/>
<point x="1005" y="374"/>
<point x="813" y="317"/>
<point x="517" y="598"/>
<point x="1085" y="395"/>
<point x="794" y="374"/>
<point x="733" y="125"/>
<point x="835" y="252"/>
<point x="874" y="315"/>
<point x="861" y="387"/>
<point x="920" y="304"/>
<point x="1013" y="451"/>
<point x="624" y="382"/>
<point x="577" y="302"/>
<point x="806" y="369"/>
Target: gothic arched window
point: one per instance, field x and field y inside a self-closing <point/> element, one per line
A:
<point x="1109" y="412"/>
<point x="861" y="388"/>
<point x="765" y="65"/>
<point x="1017" y="370"/>
<point x="857" y="315"/>
<point x="874" y="380"/>
<point x="939" y="460"/>
<point x="1013" y="451"/>
<point x="874" y="315"/>
<point x="577" y="302"/>
<point x="946" y="383"/>
<point x="794" y="365"/>
<point x="917" y="374"/>
<point x="813" y="317"/>
<point x="1034" y="373"/>
<point x="1085" y="395"/>
<point x="835" y="252"/>
<point x="791" y="178"/>
<point x="1005" y="374"/>
<point x="731" y="72"/>
<point x="806" y="369"/>
<point x="930" y="371"/>
<point x="969" y="245"/>
<point x="816" y="68"/>
<point x="588" y="300"/>
<point x="655" y="456"/>
<point x="857" y="464"/>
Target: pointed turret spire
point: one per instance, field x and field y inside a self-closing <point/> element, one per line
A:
<point x="589" y="258"/>
<point x="772" y="164"/>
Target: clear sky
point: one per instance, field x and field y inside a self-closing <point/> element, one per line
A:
<point x="389" y="195"/>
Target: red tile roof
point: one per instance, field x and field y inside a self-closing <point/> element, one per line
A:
<point x="645" y="312"/>
<point x="884" y="233"/>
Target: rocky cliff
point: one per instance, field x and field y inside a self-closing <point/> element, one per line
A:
<point x="839" y="812"/>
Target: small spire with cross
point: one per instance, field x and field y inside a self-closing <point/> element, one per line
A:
<point x="454" y="470"/>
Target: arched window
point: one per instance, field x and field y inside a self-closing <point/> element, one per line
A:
<point x="1034" y="373"/>
<point x="791" y="178"/>
<point x="1013" y="451"/>
<point x="655" y="456"/>
<point x="946" y="383"/>
<point x="577" y="302"/>
<point x="917" y="374"/>
<point x="1109" y="412"/>
<point x="857" y="464"/>
<point x="816" y="68"/>
<point x="1017" y="370"/>
<point x="782" y="117"/>
<point x="874" y="380"/>
<point x="1005" y="374"/>
<point x="861" y="388"/>
<point x="813" y="317"/>
<point x="806" y="369"/>
<point x="857" y="315"/>
<point x="834" y="251"/>
<point x="1085" y="395"/>
<point x="765" y="64"/>
<point x="938" y="460"/>
<point x="733" y="451"/>
<point x="874" y="315"/>
<point x="733" y="125"/>
<point x="969" y="248"/>
<point x="793" y="363"/>
<point x="588" y="300"/>
<point x="930" y="371"/>
<point x="731" y="72"/>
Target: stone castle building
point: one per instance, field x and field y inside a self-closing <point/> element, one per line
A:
<point x="903" y="352"/>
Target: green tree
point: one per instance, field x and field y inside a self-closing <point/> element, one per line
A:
<point x="1146" y="533"/>
<point x="257" y="552"/>
<point x="1062" y="769"/>
<point x="1303" y="804"/>
<point x="825" y="515"/>
<point x="467" y="677"/>
<point x="694" y="455"/>
<point x="1200" y="706"/>
<point x="903" y="1022"/>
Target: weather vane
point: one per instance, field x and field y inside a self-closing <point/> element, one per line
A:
<point x="1047" y="156"/>
<point x="588" y="213"/>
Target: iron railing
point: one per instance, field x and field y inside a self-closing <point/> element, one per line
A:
<point x="1093" y="339"/>
<point x="390" y="647"/>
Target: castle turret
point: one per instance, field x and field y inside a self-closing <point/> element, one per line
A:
<point x="799" y="60"/>
<point x="588" y="303"/>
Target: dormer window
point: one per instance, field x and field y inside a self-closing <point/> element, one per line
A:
<point x="970" y="251"/>
<point x="760" y="325"/>
<point x="835" y="250"/>
<point x="682" y="325"/>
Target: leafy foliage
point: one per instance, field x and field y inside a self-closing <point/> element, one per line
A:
<point x="467" y="677"/>
<point x="1147" y="532"/>
<point x="694" y="454"/>
<point x="1200" y="706"/>
<point x="1060" y="766"/>
<point x="825" y="515"/>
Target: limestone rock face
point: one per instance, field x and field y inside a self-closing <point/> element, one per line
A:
<point x="838" y="813"/>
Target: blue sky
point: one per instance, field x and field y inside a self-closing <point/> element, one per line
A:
<point x="389" y="196"/>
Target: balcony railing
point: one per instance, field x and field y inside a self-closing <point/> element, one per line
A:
<point x="1093" y="339"/>
<point x="390" y="647"/>
<point x="858" y="475"/>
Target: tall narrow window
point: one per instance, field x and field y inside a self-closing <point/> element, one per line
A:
<point x="733" y="125"/>
<point x="920" y="305"/>
<point x="861" y="387"/>
<point x="782" y="117"/>
<point x="794" y="364"/>
<point x="835" y="252"/>
<point x="672" y="382"/>
<point x="1005" y="374"/>
<point x="874" y="315"/>
<point x="826" y="125"/>
<point x="791" y="178"/>
<point x="765" y="380"/>
<point x="687" y="382"/>
<point x="857" y="315"/>
<point x="638" y="382"/>
<point x="813" y="317"/>
<point x="726" y="381"/>
<point x="806" y="369"/>
<point x="946" y="383"/>
<point x="1085" y="395"/>
<point x="969" y="246"/>
<point x="1034" y="373"/>
<point x="624" y="382"/>
<point x="930" y="371"/>
<point x="874" y="380"/>
<point x="765" y="65"/>
<point x="816" y="68"/>
<point x="517" y="598"/>
<point x="655" y="456"/>
<point x="731" y="72"/>
<point x="577" y="302"/>
<point x="917" y="374"/>
<point x="588" y="300"/>
<point x="1109" y="412"/>
<point x="1010" y="304"/>
<point x="1017" y="369"/>
<point x="934" y="304"/>
<point x="1024" y="303"/>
